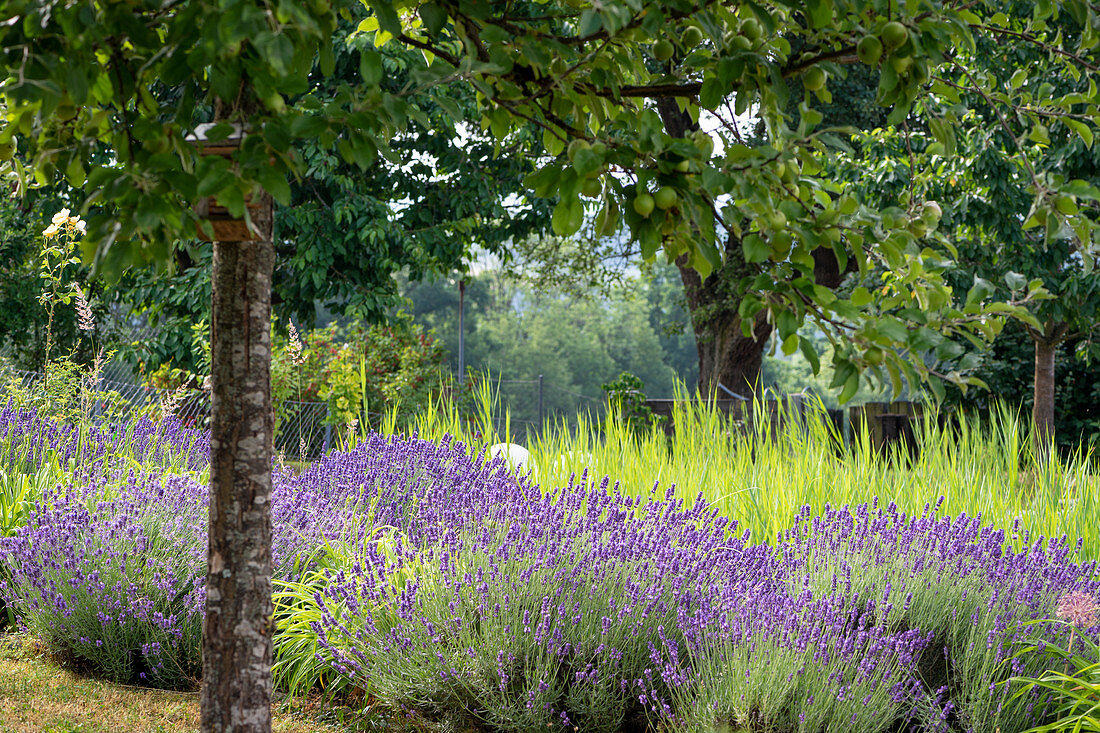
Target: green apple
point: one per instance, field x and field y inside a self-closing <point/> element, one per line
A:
<point x="666" y="197"/>
<point x="781" y="243"/>
<point x="691" y="38"/>
<point x="814" y="79"/>
<point x="738" y="42"/>
<point x="591" y="188"/>
<point x="704" y="142"/>
<point x="901" y="64"/>
<point x="788" y="172"/>
<point x="869" y="50"/>
<point x="575" y="147"/>
<point x="643" y="204"/>
<point x="750" y="29"/>
<point x="663" y="50"/>
<point x="931" y="213"/>
<point x="894" y="34"/>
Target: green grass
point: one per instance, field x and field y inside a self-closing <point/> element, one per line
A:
<point x="763" y="479"/>
<point x="38" y="694"/>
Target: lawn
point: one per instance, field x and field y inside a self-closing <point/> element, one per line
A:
<point x="716" y="582"/>
<point x="39" y="694"/>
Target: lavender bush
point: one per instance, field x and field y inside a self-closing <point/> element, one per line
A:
<point x="39" y="454"/>
<point x="112" y="577"/>
<point x="447" y="588"/>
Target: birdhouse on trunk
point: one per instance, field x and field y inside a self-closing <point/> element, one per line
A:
<point x="226" y="227"/>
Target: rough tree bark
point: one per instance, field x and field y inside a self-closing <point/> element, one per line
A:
<point x="726" y="355"/>
<point x="237" y="648"/>
<point x="1046" y="343"/>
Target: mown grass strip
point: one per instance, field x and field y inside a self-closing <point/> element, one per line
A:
<point x="40" y="695"/>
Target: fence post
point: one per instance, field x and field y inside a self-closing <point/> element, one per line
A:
<point x="328" y="431"/>
<point x="540" y="403"/>
<point x="461" y="331"/>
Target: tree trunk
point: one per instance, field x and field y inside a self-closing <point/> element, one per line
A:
<point x="726" y="355"/>
<point x="1046" y="347"/>
<point x="237" y="648"/>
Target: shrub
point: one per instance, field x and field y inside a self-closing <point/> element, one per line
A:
<point x="437" y="582"/>
<point x="358" y="369"/>
<point x="626" y="397"/>
<point x="112" y="577"/>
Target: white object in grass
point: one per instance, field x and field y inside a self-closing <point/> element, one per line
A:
<point x="516" y="455"/>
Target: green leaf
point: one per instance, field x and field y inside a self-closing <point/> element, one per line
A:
<point x="1082" y="129"/>
<point x="275" y="183"/>
<point x="938" y="390"/>
<point x="851" y="386"/>
<point x="586" y="162"/>
<point x="821" y="12"/>
<point x="710" y="94"/>
<point x="893" y="329"/>
<point x="808" y="351"/>
<point x="861" y="297"/>
<point x="944" y="133"/>
<point x="981" y="290"/>
<point x="591" y="23"/>
<point x="326" y="59"/>
<point x="388" y="19"/>
<point x="433" y="16"/>
<point x="74" y="173"/>
<point x="895" y="378"/>
<point x="1015" y="281"/>
<point x="370" y="67"/>
<point x="755" y="248"/>
<point x="568" y="216"/>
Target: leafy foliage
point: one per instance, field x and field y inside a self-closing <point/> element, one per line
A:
<point x="81" y="78"/>
<point x="360" y="372"/>
<point x="626" y="394"/>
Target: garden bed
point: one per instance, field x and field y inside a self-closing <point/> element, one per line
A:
<point x="421" y="576"/>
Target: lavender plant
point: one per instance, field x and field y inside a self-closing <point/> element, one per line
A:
<point x="956" y="579"/>
<point x="433" y="578"/>
<point x="114" y="578"/>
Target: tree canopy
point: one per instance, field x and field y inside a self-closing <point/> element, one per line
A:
<point x="84" y="76"/>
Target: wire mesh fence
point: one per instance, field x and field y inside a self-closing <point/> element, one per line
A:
<point x="301" y="430"/>
<point x="304" y="430"/>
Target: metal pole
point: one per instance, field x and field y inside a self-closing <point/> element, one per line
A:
<point x="461" y="332"/>
<point x="540" y="402"/>
<point x="328" y="430"/>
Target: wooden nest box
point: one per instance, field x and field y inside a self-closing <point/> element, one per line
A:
<point x="226" y="227"/>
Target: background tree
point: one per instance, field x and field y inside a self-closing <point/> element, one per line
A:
<point x="987" y="179"/>
<point x="346" y="230"/>
<point x="575" y="340"/>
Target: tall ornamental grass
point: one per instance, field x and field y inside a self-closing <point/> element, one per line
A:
<point x="765" y="476"/>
